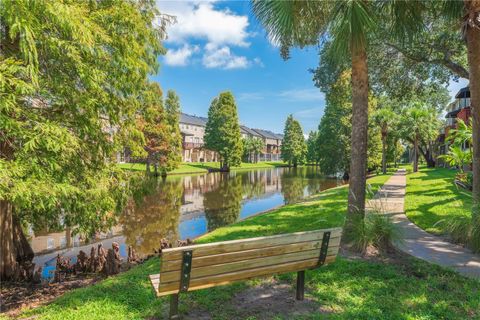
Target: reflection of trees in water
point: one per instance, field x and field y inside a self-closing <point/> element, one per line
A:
<point x="222" y="204"/>
<point x="295" y="180"/>
<point x="293" y="183"/>
<point x="153" y="216"/>
<point x="253" y="184"/>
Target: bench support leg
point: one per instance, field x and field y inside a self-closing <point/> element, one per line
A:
<point x="174" y="307"/>
<point x="300" y="285"/>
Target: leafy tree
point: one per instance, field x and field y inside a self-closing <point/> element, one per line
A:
<point x="312" y="150"/>
<point x="152" y="123"/>
<point x="252" y="147"/>
<point x="385" y="118"/>
<point x="335" y="129"/>
<point x="222" y="131"/>
<point x="172" y="108"/>
<point x="72" y="74"/>
<point x="294" y="148"/>
<point x="349" y="24"/>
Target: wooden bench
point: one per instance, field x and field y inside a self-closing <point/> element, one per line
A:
<point x="207" y="265"/>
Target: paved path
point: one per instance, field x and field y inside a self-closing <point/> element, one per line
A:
<point x="416" y="242"/>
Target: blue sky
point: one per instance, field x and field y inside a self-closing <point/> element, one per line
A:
<point x="218" y="46"/>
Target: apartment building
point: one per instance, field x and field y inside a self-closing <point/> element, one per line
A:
<point x="193" y="132"/>
<point x="459" y="109"/>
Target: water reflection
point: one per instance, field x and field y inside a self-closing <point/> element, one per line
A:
<point x="181" y="207"/>
<point x="222" y="204"/>
<point x="153" y="217"/>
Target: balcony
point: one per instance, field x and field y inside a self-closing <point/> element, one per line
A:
<point x="192" y="145"/>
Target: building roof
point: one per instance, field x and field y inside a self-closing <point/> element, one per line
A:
<point x="267" y="134"/>
<point x="201" y="121"/>
<point x="189" y="119"/>
<point x="247" y="130"/>
<point x="463" y="93"/>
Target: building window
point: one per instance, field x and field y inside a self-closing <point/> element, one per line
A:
<point x="50" y="243"/>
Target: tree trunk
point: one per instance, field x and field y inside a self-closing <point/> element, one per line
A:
<point x="358" y="162"/>
<point x="8" y="263"/>
<point x="15" y="249"/>
<point x="415" y="154"/>
<point x="384" y="153"/>
<point x="473" y="54"/>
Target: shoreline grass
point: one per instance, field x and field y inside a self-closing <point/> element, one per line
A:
<point x="432" y="197"/>
<point x="203" y="167"/>
<point x="347" y="289"/>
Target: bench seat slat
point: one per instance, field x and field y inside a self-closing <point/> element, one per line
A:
<point x="173" y="265"/>
<point x="211" y="281"/>
<point x="247" y="244"/>
<point x="217" y="269"/>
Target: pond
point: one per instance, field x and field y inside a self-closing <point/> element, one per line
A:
<point x="181" y="207"/>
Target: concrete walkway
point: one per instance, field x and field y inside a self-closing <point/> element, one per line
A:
<point x="416" y="242"/>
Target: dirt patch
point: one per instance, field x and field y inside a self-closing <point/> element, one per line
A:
<point x="16" y="296"/>
<point x="267" y="300"/>
<point x="273" y="299"/>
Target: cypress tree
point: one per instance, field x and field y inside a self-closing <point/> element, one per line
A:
<point x="172" y="108"/>
<point x="222" y="131"/>
<point x="294" y="148"/>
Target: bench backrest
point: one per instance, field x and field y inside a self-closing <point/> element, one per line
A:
<point x="207" y="265"/>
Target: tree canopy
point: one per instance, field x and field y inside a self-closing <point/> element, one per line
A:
<point x="72" y="75"/>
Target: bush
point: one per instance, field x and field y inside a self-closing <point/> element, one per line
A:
<point x="464" y="231"/>
<point x="377" y="230"/>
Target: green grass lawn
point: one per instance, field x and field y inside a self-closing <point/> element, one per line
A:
<point x="432" y="197"/>
<point x="347" y="289"/>
<point x="202" y="167"/>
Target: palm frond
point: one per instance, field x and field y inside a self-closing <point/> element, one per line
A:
<point x="453" y="9"/>
<point x="353" y="20"/>
<point x="406" y="17"/>
<point x="292" y="23"/>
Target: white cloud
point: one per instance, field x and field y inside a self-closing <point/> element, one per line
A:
<point x="223" y="58"/>
<point x="181" y="56"/>
<point x="200" y="20"/>
<point x="202" y="23"/>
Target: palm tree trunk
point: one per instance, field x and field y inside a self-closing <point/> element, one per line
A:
<point x="415" y="154"/>
<point x="358" y="162"/>
<point x="384" y="153"/>
<point x="473" y="54"/>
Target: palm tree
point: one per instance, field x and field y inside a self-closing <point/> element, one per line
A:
<point x="385" y="118"/>
<point x="458" y="157"/>
<point x="468" y="13"/>
<point x="419" y="123"/>
<point x="347" y="23"/>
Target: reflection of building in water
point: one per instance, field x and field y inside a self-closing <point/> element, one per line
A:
<point x="190" y="192"/>
<point x="43" y="242"/>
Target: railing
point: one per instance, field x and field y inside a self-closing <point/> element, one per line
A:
<point x="270" y="157"/>
<point x="192" y="145"/>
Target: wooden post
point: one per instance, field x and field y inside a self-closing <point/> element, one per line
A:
<point x="300" y="285"/>
<point x="174" y="307"/>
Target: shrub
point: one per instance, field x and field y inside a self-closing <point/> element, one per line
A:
<point x="377" y="230"/>
<point x="463" y="230"/>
